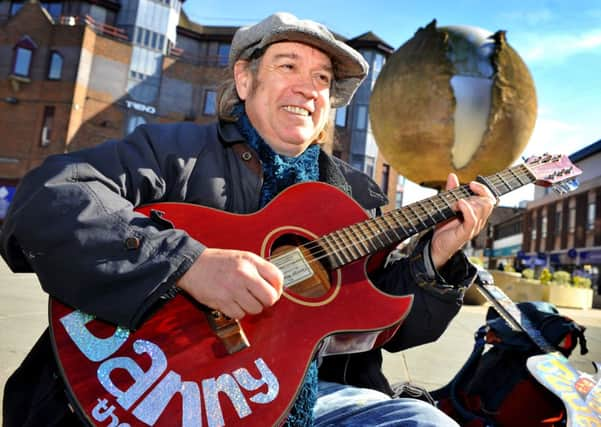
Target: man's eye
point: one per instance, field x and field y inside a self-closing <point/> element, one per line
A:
<point x="324" y="78"/>
<point x="287" y="66"/>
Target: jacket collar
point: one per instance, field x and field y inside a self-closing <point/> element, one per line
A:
<point x="353" y="182"/>
<point x="228" y="133"/>
<point x="331" y="170"/>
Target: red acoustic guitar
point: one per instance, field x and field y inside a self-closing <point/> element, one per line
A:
<point x="189" y="366"/>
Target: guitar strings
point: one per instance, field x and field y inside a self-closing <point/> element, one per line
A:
<point x="342" y="247"/>
<point x="317" y="246"/>
<point x="393" y="215"/>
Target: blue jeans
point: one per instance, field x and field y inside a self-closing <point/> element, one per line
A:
<point x="343" y="405"/>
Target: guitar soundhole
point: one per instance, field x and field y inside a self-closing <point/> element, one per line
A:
<point x="306" y="270"/>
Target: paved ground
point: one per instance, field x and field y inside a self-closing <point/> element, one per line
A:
<point x="23" y="317"/>
<point x="433" y="365"/>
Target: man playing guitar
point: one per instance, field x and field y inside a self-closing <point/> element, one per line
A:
<point x="74" y="222"/>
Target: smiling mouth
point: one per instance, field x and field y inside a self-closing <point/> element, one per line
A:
<point x="297" y="110"/>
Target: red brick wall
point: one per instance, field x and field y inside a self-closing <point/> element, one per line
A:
<point x="21" y="123"/>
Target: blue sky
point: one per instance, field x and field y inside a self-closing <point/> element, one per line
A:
<point x="559" y="40"/>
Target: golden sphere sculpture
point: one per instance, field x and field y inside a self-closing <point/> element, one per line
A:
<point x="453" y="99"/>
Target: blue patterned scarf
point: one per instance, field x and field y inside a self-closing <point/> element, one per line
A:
<point x="280" y="172"/>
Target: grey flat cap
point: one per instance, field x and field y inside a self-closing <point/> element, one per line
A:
<point x="349" y="66"/>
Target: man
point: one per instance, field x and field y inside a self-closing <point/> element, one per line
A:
<point x="100" y="256"/>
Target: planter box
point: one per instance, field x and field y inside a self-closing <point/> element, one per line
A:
<point x="567" y="296"/>
<point x="522" y="290"/>
<point x="473" y="296"/>
<point x="519" y="289"/>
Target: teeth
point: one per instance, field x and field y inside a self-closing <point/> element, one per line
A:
<point x="297" y="110"/>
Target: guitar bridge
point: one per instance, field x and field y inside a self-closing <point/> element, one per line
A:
<point x="228" y="330"/>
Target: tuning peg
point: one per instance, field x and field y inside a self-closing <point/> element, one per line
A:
<point x="572" y="184"/>
<point x="567" y="171"/>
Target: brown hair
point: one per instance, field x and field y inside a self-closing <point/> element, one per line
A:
<point x="228" y="95"/>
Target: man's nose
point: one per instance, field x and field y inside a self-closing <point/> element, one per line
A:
<point x="306" y="85"/>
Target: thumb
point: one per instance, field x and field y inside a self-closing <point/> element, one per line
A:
<point x="452" y="181"/>
<point x="271" y="274"/>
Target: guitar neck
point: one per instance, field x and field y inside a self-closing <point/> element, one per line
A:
<point x="359" y="240"/>
<point x="509" y="311"/>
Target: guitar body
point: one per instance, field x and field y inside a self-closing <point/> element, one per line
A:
<point x="579" y="392"/>
<point x="175" y="370"/>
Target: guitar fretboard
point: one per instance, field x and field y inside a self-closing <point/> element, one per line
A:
<point x="354" y="242"/>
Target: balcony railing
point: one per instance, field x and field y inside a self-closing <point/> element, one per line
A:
<point x="106" y="29"/>
<point x="206" y="60"/>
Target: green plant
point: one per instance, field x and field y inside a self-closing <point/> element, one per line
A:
<point x="545" y="276"/>
<point x="528" y="273"/>
<point x="581" y="282"/>
<point x="561" y="277"/>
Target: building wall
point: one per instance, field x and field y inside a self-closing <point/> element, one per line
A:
<point x="95" y="98"/>
<point x="21" y="122"/>
<point x="573" y="231"/>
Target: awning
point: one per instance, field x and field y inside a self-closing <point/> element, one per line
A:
<point x="590" y="256"/>
<point x="6" y="196"/>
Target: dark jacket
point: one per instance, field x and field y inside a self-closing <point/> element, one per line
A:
<point x="80" y="206"/>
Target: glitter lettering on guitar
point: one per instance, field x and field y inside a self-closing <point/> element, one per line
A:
<point x="159" y="385"/>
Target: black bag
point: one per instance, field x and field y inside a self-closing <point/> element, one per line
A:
<point x="494" y="387"/>
<point x="34" y="395"/>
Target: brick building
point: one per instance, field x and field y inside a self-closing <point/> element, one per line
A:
<point x="74" y="73"/>
<point x="565" y="231"/>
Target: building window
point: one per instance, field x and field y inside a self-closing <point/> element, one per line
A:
<point x="148" y="39"/>
<point x="400" y="188"/>
<point x="98" y="14"/>
<point x="379" y="62"/>
<point x="133" y="122"/>
<point x="367" y="54"/>
<point x="23" y="54"/>
<point x="363" y="163"/>
<point x="54" y="8"/>
<point x="224" y="54"/>
<point x="572" y="220"/>
<point x="210" y="105"/>
<point x="22" y="65"/>
<point x="590" y="216"/>
<point x="55" y="69"/>
<point x="361" y="119"/>
<point x="370" y="163"/>
<point x="340" y="119"/>
<point x="15" y="7"/>
<point x="385" y="177"/>
<point x="47" y="125"/>
<point x="543" y="227"/>
<point x="139" y="35"/>
<point x="558" y="219"/>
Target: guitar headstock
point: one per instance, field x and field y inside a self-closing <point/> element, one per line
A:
<point x="554" y="170"/>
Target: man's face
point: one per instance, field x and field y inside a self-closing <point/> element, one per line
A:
<point x="288" y="98"/>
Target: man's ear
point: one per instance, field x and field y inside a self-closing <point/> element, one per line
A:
<point x="242" y="77"/>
